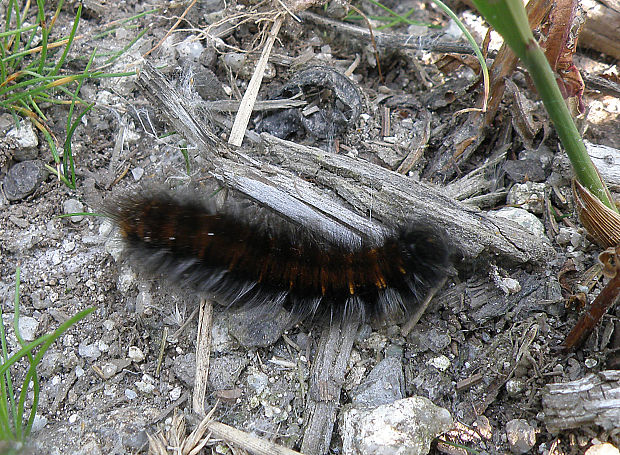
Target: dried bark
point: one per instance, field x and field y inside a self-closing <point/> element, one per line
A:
<point x="592" y="400"/>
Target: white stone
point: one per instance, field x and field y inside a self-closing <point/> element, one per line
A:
<point x="135" y="354"/>
<point x="442" y="363"/>
<point x="524" y="218"/>
<point x="28" y="327"/>
<point x="404" y="427"/>
<point x="175" y="393"/>
<point x="23" y="136"/>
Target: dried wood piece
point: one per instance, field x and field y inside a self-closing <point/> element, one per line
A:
<point x="427" y="42"/>
<point x="397" y="199"/>
<point x="592" y="400"/>
<point x="607" y="161"/>
<point x="601" y="28"/>
<point x="245" y="440"/>
<point x="326" y="379"/>
<point x="203" y="351"/>
<point x="249" y="98"/>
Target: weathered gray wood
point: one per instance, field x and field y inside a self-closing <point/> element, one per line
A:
<point x="326" y="379"/>
<point x="397" y="199"/>
<point x="592" y="400"/>
<point x="272" y="177"/>
<point x="428" y="42"/>
<point x="607" y="161"/>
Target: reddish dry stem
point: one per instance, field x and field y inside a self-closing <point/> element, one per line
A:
<point x="605" y="300"/>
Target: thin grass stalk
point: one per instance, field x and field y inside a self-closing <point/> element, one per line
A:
<point x="44" y="35"/>
<point x="35" y="380"/>
<point x="57" y="13"/>
<point x="19" y="30"/>
<point x="6" y="387"/>
<point x="63" y="57"/>
<point x="474" y="45"/>
<point x="68" y="163"/>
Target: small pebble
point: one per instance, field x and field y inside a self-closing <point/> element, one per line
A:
<point x="108" y="324"/>
<point x="590" y="363"/>
<point x="23" y="179"/>
<point x="145" y="387"/>
<point x="28" y="327"/>
<point x="521" y="436"/>
<point x="56" y="257"/>
<point x="90" y="351"/>
<point x="514" y="387"/>
<point x="73" y="206"/>
<point x="38" y="423"/>
<point x="109" y="369"/>
<point x="23" y="140"/>
<point x="175" y="393"/>
<point x="130" y="394"/>
<point x="602" y="449"/>
<point x="442" y="363"/>
<point x="137" y="173"/>
<point x="136" y="354"/>
<point x="529" y="196"/>
<point x="510" y="285"/>
<point x="68" y="246"/>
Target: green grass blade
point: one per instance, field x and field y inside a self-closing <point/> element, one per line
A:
<point x="19" y="433"/>
<point x="44" y="35"/>
<point x="18" y="30"/>
<point x="472" y="41"/>
<point x="63" y="57"/>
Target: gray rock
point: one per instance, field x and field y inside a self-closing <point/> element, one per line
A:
<point x="39" y="423"/>
<point x="527" y="170"/>
<point x="184" y="368"/>
<point x="224" y="371"/>
<point x="243" y="326"/>
<point x="404" y="427"/>
<point x="109" y="369"/>
<point x="425" y="339"/>
<point x="383" y="385"/>
<point x="6" y="122"/>
<point x="23" y="178"/>
<point x="73" y="206"/>
<point x="529" y="196"/>
<point x="521" y="436"/>
<point x="90" y="351"/>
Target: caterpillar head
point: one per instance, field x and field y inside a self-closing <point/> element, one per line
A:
<point x="425" y="251"/>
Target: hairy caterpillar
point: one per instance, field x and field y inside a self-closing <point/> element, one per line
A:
<point x="243" y="260"/>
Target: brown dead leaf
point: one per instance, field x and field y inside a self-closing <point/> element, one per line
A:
<point x="560" y="35"/>
<point x="602" y="223"/>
